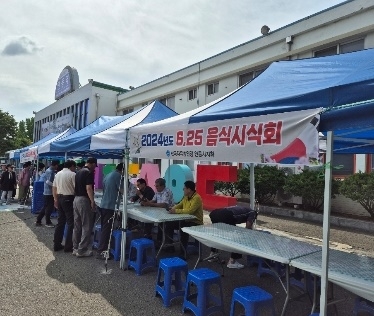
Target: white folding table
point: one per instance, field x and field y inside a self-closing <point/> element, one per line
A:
<point x="148" y="214"/>
<point x="353" y="272"/>
<point x="252" y="242"/>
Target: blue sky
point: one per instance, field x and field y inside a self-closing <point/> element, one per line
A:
<point x="122" y="42"/>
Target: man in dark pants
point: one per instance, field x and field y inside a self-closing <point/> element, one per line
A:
<point x="63" y="195"/>
<point x="84" y="209"/>
<point x="233" y="215"/>
<point x="48" y="197"/>
<point x="112" y="187"/>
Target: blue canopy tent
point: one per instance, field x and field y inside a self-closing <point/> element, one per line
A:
<point x="340" y="85"/>
<point x="16" y="153"/>
<point x="106" y="137"/>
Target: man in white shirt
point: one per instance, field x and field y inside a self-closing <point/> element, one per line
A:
<point x="63" y="196"/>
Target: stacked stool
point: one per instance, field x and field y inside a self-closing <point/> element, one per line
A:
<point x="206" y="302"/>
<point x="170" y="272"/>
<point x="115" y="243"/>
<point x="139" y="259"/>
<point x="363" y="305"/>
<point x="97" y="235"/>
<point x="253" y="298"/>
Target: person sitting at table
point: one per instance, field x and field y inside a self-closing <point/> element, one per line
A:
<point x="233" y="215"/>
<point x="162" y="198"/>
<point x="191" y="204"/>
<point x="143" y="193"/>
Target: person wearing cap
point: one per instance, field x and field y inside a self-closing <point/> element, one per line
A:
<point x="84" y="208"/>
<point x="112" y="190"/>
<point x="63" y="196"/>
<point x="48" y="206"/>
<point x="7" y="184"/>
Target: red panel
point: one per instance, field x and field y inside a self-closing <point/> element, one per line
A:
<point x="206" y="175"/>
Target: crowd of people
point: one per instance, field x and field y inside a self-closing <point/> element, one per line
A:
<point x="69" y="188"/>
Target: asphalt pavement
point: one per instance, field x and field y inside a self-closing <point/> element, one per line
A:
<point x="37" y="281"/>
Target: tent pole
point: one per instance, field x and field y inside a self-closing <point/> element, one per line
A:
<point x="326" y="224"/>
<point x="124" y="206"/>
<point x="252" y="185"/>
<point x="66" y="155"/>
<point x="37" y="169"/>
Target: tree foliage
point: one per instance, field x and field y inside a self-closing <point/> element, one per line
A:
<point x="360" y="188"/>
<point x="30" y="128"/>
<point x="267" y="181"/>
<point x="22" y="137"/>
<point x="8" y="132"/>
<point x="310" y="185"/>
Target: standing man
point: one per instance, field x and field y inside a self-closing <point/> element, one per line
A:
<point x="191" y="204"/>
<point x="162" y="198"/>
<point x="24" y="182"/>
<point x="112" y="187"/>
<point x="2" y="170"/>
<point x="63" y="195"/>
<point x="7" y="184"/>
<point x="48" y="196"/>
<point x="84" y="208"/>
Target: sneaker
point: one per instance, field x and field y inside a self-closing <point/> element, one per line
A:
<point x="75" y="251"/>
<point x="213" y="256"/>
<point x="87" y="253"/>
<point x="235" y="265"/>
<point x="50" y="225"/>
<point x="38" y="224"/>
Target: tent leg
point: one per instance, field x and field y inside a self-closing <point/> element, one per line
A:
<point x="252" y="185"/>
<point x="326" y="224"/>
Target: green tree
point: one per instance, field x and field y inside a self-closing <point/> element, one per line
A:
<point x="360" y="188"/>
<point x="30" y="128"/>
<point x="22" y="138"/>
<point x="310" y="185"/>
<point x="8" y="131"/>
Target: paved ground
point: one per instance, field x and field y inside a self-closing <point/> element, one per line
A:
<point x="37" y="281"/>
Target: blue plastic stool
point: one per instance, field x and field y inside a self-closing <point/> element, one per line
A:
<point x="138" y="257"/>
<point x="97" y="235"/>
<point x="115" y="243"/>
<point x="193" y="247"/>
<point x="263" y="268"/>
<point x="253" y="299"/>
<point x="252" y="260"/>
<point x="362" y="304"/>
<point x="314" y="314"/>
<point x="203" y="279"/>
<point x="170" y="273"/>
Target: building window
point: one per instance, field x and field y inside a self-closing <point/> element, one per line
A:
<point x="192" y="94"/>
<point x="169" y="102"/>
<point x="86" y="112"/>
<point x="341" y="48"/>
<point x="343" y="164"/>
<point x="127" y="111"/>
<point x="326" y="52"/>
<point x="244" y="78"/>
<point x="213" y="88"/>
<point x="351" y="47"/>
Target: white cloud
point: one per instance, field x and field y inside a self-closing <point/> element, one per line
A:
<point x="21" y="46"/>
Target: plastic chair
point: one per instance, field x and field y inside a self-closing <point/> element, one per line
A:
<point x="139" y="259"/>
<point x="362" y="304"/>
<point x="170" y="272"/>
<point x="115" y="243"/>
<point x="97" y="235"/>
<point x="254" y="300"/>
<point x="206" y="302"/>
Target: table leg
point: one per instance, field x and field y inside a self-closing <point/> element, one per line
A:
<point x="163" y="238"/>
<point x="199" y="258"/>
<point x="287" y="289"/>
